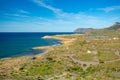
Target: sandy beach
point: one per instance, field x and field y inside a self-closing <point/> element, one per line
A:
<point x="64" y="42"/>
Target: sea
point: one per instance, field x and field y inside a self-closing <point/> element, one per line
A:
<point x="14" y="44"/>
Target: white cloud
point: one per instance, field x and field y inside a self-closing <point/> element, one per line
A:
<point x="63" y="21"/>
<point x="16" y="15"/>
<point x="23" y="11"/>
<point x="109" y="9"/>
<point x="41" y="3"/>
<point x="64" y="15"/>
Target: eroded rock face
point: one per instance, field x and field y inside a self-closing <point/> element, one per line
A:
<point x="115" y="26"/>
<point x="117" y="23"/>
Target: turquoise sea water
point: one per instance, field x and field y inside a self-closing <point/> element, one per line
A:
<point x="17" y="44"/>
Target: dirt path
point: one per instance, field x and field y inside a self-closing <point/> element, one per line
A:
<point x="112" y="61"/>
<point x="117" y="53"/>
<point x="84" y="64"/>
<point x="57" y="76"/>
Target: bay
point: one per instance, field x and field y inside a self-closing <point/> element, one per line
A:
<point x="21" y="43"/>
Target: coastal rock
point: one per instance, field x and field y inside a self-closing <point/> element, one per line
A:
<point x="89" y="51"/>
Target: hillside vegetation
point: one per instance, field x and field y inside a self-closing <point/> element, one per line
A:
<point x="111" y="31"/>
<point x="80" y="57"/>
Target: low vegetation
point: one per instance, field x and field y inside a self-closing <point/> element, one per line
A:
<point x="85" y="58"/>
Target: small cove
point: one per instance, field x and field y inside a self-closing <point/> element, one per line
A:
<point x="21" y="44"/>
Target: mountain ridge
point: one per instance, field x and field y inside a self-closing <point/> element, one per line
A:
<point x="83" y="30"/>
<point x="115" y="26"/>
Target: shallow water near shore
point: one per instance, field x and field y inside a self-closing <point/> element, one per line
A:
<point x="19" y="44"/>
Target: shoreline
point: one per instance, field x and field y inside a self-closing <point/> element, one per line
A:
<point x="64" y="42"/>
<point x="47" y="48"/>
<point x="78" y="57"/>
<point x="18" y="45"/>
<point x="33" y="48"/>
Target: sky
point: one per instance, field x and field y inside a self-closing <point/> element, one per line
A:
<point x="57" y="15"/>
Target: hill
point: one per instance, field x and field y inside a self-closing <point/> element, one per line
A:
<point x="112" y="31"/>
<point x="83" y="30"/>
<point x="115" y="26"/>
<point x="79" y="57"/>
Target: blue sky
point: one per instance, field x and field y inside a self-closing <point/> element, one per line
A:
<point x="57" y="15"/>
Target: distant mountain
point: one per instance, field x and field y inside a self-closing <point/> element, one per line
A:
<point x="83" y="30"/>
<point x="113" y="30"/>
<point x="115" y="26"/>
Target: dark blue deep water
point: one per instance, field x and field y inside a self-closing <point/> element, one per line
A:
<point x="19" y="44"/>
